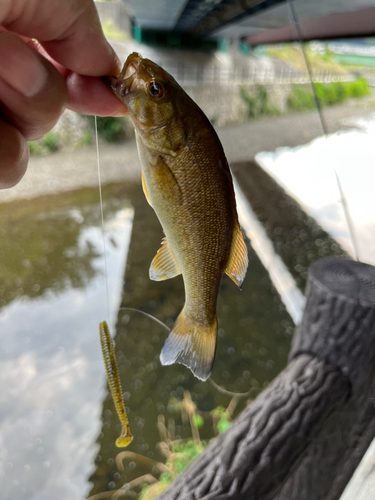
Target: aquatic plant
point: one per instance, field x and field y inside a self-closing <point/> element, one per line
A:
<point x="178" y="453"/>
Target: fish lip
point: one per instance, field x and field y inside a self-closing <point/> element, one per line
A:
<point x="121" y="85"/>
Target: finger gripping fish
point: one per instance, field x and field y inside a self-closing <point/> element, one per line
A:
<point x="114" y="383"/>
<point x="187" y="181"/>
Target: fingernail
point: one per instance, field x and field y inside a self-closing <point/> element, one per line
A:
<point x="20" y="66"/>
<point x="123" y="112"/>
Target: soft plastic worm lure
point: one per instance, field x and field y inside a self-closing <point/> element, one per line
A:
<point x="114" y="383"/>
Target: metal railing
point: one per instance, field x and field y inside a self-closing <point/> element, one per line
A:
<point x="190" y="74"/>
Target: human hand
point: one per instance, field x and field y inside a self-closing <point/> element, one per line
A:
<point x="39" y="79"/>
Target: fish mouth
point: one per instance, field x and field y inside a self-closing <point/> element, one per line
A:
<point x="122" y="85"/>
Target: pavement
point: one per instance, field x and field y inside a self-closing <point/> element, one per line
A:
<point x="65" y="171"/>
<point x="242" y="142"/>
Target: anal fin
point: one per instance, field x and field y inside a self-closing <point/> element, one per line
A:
<point x="238" y="258"/>
<point x="164" y="265"/>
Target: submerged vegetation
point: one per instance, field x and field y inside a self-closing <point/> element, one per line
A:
<point x="177" y="453"/>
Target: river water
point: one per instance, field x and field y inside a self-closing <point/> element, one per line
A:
<point x="57" y="421"/>
<point x="58" y="426"/>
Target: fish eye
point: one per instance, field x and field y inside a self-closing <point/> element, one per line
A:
<point x="156" y="90"/>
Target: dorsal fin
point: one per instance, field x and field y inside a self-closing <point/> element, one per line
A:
<point x="238" y="258"/>
<point x="164" y="264"/>
<point x="144" y="187"/>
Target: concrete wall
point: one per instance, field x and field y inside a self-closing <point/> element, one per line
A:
<point x="224" y="105"/>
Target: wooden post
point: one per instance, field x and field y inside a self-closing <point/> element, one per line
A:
<point x="303" y="437"/>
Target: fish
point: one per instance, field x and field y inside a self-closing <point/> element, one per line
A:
<point x="187" y="181"/>
<point x="114" y="383"/>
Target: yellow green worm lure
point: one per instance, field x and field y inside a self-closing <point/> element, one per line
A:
<point x="114" y="383"/>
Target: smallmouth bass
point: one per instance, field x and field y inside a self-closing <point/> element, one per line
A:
<point x="187" y="181"/>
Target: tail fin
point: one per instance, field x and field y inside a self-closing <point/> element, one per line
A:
<point x="192" y="345"/>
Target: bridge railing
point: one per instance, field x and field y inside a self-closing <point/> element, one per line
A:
<point x="197" y="74"/>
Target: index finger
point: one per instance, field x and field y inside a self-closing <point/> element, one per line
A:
<point x="69" y="30"/>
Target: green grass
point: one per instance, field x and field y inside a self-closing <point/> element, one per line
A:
<point x="109" y="128"/>
<point x="293" y="56"/>
<point x="51" y="141"/>
<point x="359" y="88"/>
<point x="258" y="103"/>
<point x="35" y="149"/>
<point x="301" y="99"/>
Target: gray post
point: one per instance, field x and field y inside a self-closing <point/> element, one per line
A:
<point x="303" y="437"/>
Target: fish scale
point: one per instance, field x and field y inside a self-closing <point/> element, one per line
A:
<point x="187" y="181"/>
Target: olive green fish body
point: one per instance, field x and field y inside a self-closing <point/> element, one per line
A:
<point x="196" y="216"/>
<point x="187" y="181"/>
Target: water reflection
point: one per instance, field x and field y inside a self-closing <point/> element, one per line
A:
<point x="308" y="174"/>
<point x="51" y="377"/>
<point x="296" y="236"/>
<point x="254" y="338"/>
<point x="58" y="424"/>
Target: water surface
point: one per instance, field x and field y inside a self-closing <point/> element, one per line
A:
<point x="58" y="424"/>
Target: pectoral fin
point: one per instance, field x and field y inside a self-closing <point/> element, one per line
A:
<point x="144" y="187"/>
<point x="166" y="181"/>
<point x="238" y="258"/>
<point x="164" y="265"/>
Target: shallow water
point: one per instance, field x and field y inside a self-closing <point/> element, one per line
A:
<point x="58" y="426"/>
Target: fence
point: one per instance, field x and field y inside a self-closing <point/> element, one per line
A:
<point x="196" y="74"/>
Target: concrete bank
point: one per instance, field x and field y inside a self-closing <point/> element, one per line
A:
<point x="60" y="172"/>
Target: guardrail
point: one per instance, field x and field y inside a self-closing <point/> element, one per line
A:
<point x="197" y="74"/>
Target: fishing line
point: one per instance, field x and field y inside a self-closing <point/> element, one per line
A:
<point x="102" y="218"/>
<point x="147" y="315"/>
<point x="214" y="384"/>
<point x="294" y="17"/>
